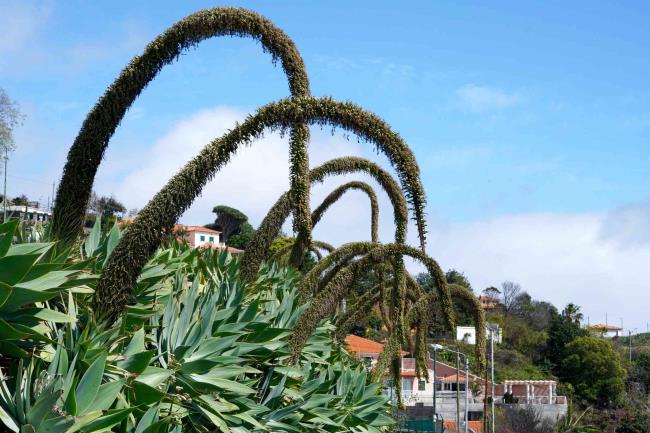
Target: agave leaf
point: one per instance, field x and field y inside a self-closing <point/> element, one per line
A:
<point x="60" y="424"/>
<point x="47" y="281"/>
<point x="92" y="242"/>
<point x="14" y="267"/>
<point x="111" y="418"/>
<point x="112" y="241"/>
<point x="106" y="395"/>
<point x="89" y="384"/>
<point x="145" y="394"/>
<point x="154" y="376"/>
<point x="136" y="363"/>
<point x="7" y="231"/>
<point x="42" y="408"/>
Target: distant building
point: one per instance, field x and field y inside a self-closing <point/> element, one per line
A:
<point x="203" y="237"/>
<point x="605" y="330"/>
<point x="467" y="334"/>
<point x="417" y="393"/>
<point x="489" y="303"/>
<point x="28" y="213"/>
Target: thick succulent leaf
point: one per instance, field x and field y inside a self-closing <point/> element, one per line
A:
<point x="88" y="387"/>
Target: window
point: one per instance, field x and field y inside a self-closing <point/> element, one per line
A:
<point x="202" y="238"/>
<point x="422" y="385"/>
<point x="211" y="238"/>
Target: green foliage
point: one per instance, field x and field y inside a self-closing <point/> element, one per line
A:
<point x="230" y="221"/>
<point x="30" y="280"/>
<point x="562" y="331"/>
<point x="594" y="369"/>
<point x="212" y="356"/>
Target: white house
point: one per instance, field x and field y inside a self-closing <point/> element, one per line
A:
<point x="203" y="237"/>
<point x="467" y="334"/>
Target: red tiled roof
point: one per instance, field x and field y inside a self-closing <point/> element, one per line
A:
<point x="202" y="229"/>
<point x="475" y="426"/>
<point x="358" y="344"/>
<point x="452" y="378"/>
<point x="603" y="327"/>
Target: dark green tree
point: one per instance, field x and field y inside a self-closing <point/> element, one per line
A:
<point x="109" y="206"/>
<point x="21" y="200"/>
<point x="562" y="331"/>
<point x="594" y="369"/>
<point x="229" y="221"/>
<point x="243" y="238"/>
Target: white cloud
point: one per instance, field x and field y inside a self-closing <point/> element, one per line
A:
<point x="484" y="98"/>
<point x="557" y="257"/>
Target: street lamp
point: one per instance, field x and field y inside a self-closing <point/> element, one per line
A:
<point x="437" y="347"/>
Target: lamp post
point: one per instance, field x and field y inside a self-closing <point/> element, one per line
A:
<point x="436" y="347"/>
<point x="4" y="197"/>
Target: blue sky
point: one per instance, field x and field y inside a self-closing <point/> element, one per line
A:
<point x="530" y="122"/>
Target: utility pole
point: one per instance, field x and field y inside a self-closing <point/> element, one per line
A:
<point x="457" y="391"/>
<point x="629" y="333"/>
<point x="435" y="387"/>
<point x="466" y="392"/>
<point x="4" y="206"/>
<point x="492" y="374"/>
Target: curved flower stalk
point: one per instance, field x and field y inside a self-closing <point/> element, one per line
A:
<point x="143" y="236"/>
<point x="325" y="301"/>
<point x="335" y="195"/>
<point x="88" y="149"/>
<point x="423" y="308"/>
<point x="315" y="247"/>
<point x="257" y="250"/>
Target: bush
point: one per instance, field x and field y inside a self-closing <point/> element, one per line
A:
<point x="594" y="369"/>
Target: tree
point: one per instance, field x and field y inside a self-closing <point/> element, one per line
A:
<point x="594" y="369"/>
<point x="10" y="117"/>
<point x="492" y="292"/>
<point x="229" y="221"/>
<point x="456" y="277"/>
<point x="21" y="200"/>
<point x="242" y="239"/>
<point x="561" y="332"/>
<point x="509" y="293"/>
<point x="106" y="206"/>
<point x="572" y="312"/>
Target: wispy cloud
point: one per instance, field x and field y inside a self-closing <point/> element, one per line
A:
<point x="484" y="98"/>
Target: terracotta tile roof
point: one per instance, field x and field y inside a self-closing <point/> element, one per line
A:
<point x="603" y="327"/>
<point x="358" y="344"/>
<point x="452" y="378"/>
<point x="474" y="426"/>
<point x="201" y="229"/>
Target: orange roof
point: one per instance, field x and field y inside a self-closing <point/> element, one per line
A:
<point x="603" y="327"/>
<point x="475" y="426"/>
<point x="358" y="344"/>
<point x="200" y="229"/>
<point x="452" y="378"/>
